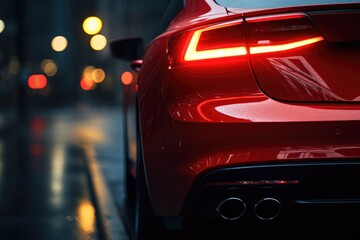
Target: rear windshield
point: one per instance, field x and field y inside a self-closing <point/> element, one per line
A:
<point x="254" y="4"/>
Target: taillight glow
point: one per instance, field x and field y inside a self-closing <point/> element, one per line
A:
<point x="224" y="40"/>
<point x="264" y="34"/>
<point x="193" y="54"/>
<point x="284" y="47"/>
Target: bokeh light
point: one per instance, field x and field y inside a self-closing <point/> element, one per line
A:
<point x="98" y="75"/>
<point x="2" y="26"/>
<point x="87" y="84"/>
<point x="92" y="25"/>
<point x="127" y="78"/>
<point x="14" y="66"/>
<point x="37" y="81"/>
<point x="49" y="67"/>
<point x="88" y="71"/>
<point x="59" y="43"/>
<point x="98" y="42"/>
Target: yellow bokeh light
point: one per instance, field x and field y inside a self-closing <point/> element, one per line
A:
<point x="88" y="81"/>
<point x="88" y="71"/>
<point x="92" y="25"/>
<point x="98" y="42"/>
<point x="59" y="43"/>
<point x="98" y="75"/>
<point x="49" y="67"/>
<point x="2" y="26"/>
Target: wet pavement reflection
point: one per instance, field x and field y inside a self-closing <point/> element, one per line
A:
<point x="44" y="184"/>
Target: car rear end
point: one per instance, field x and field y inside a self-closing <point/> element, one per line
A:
<point x="256" y="117"/>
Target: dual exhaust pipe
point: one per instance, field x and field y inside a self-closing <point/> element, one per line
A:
<point x="233" y="208"/>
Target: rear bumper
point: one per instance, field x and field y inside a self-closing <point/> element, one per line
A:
<point x="321" y="193"/>
<point x="182" y="152"/>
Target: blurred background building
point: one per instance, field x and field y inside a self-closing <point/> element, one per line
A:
<point x="46" y="59"/>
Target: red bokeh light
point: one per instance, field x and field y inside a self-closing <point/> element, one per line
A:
<point x="127" y="78"/>
<point x="86" y="85"/>
<point x="36" y="150"/>
<point x="37" y="81"/>
<point x="37" y="125"/>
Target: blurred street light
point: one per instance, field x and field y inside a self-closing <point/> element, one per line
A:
<point x="126" y="78"/>
<point x="98" y="75"/>
<point x="92" y="25"/>
<point x="49" y="67"/>
<point x="59" y="43"/>
<point x="2" y="26"/>
<point x="98" y="42"/>
<point x="37" y="81"/>
<point x="88" y="71"/>
<point x="87" y="84"/>
<point x="14" y="66"/>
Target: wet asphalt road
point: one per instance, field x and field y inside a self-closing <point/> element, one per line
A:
<point x="45" y="192"/>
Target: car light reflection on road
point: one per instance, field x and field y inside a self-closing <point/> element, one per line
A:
<point x="37" y="126"/>
<point x="86" y="216"/>
<point x="57" y="174"/>
<point x="36" y="150"/>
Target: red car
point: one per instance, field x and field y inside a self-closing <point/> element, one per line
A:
<point x="248" y="114"/>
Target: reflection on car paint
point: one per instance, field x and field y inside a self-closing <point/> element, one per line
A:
<point x="260" y="155"/>
<point x="273" y="111"/>
<point x="298" y="71"/>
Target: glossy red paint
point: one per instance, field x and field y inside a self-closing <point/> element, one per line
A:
<point x="209" y="114"/>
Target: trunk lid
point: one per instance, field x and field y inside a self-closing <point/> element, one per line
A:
<point x="325" y="71"/>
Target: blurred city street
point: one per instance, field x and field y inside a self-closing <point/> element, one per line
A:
<point x="61" y="136"/>
<point x="48" y="189"/>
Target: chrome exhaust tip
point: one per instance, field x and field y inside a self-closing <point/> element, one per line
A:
<point x="267" y="208"/>
<point x="231" y="208"/>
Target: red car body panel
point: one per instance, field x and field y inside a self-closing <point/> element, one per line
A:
<point x="238" y="111"/>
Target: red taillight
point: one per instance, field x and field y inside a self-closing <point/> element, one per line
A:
<point x="223" y="40"/>
<point x="280" y="33"/>
<point x="266" y="34"/>
<point x="285" y="46"/>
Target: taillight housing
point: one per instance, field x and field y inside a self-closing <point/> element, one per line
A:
<point x="255" y="35"/>
<point x="218" y="41"/>
<point x="277" y="33"/>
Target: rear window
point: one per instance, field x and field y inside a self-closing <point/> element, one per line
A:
<point x="254" y="4"/>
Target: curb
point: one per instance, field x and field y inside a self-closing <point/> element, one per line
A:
<point x="111" y="226"/>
